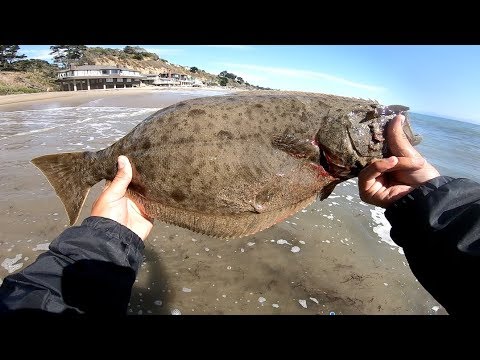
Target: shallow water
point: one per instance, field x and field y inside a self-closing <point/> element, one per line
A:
<point x="335" y="256"/>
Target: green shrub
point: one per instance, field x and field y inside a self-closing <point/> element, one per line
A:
<point x="10" y="90"/>
<point x="223" y="81"/>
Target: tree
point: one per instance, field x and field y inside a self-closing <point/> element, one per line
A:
<point x="134" y="50"/>
<point x="194" y="69"/>
<point x="227" y="75"/>
<point x="36" y="65"/>
<point x="223" y="81"/>
<point x="59" y="54"/>
<point x="67" y="54"/>
<point x="139" y="53"/>
<point x="33" y="65"/>
<point x="8" y="54"/>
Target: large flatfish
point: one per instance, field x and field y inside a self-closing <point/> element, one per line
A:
<point x="230" y="166"/>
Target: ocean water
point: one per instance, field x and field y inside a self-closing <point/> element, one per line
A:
<point x="78" y="126"/>
<point x="452" y="146"/>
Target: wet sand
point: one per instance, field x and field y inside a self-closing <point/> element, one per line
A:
<point x="333" y="257"/>
<point x="134" y="97"/>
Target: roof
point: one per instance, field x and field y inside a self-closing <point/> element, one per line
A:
<point x="96" y="67"/>
<point x="113" y="76"/>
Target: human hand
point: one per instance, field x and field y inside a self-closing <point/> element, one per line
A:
<point x="113" y="204"/>
<point x="387" y="180"/>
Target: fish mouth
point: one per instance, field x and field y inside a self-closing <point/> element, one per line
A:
<point x="332" y="164"/>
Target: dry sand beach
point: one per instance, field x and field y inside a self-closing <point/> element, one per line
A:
<point x="333" y="257"/>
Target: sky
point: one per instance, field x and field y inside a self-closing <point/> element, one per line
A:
<point x="436" y="80"/>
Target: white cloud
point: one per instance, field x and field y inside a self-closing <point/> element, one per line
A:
<point x="291" y="72"/>
<point x="43" y="54"/>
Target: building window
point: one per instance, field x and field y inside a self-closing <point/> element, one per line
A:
<point x="129" y="80"/>
<point x="119" y="80"/>
<point x="104" y="72"/>
<point x="109" y="80"/>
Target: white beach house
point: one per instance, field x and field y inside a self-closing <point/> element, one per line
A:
<point x="87" y="77"/>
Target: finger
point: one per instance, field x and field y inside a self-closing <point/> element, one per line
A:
<point x="397" y="140"/>
<point x="398" y="191"/>
<point x="408" y="164"/>
<point x="106" y="185"/>
<point x="367" y="179"/>
<point x="367" y="176"/>
<point x="119" y="184"/>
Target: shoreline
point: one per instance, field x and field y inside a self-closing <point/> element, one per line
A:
<point x="12" y="102"/>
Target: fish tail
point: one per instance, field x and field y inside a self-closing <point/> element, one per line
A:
<point x="71" y="175"/>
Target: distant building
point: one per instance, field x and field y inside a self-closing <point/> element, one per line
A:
<point x="197" y="83"/>
<point x="173" y="79"/>
<point x="89" y="77"/>
<point x="149" y="79"/>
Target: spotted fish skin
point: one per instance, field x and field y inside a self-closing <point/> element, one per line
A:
<point x="230" y="166"/>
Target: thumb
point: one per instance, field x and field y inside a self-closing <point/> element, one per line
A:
<point x="119" y="184"/>
<point x="397" y="139"/>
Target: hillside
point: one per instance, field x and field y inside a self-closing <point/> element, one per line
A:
<point x="149" y="63"/>
<point x="29" y="76"/>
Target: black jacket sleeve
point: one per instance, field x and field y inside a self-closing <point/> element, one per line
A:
<point x="88" y="269"/>
<point x="438" y="226"/>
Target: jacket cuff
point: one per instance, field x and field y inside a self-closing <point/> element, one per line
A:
<point x="420" y="192"/>
<point x="114" y="230"/>
<point x="411" y="210"/>
<point x="103" y="239"/>
<point x="122" y="238"/>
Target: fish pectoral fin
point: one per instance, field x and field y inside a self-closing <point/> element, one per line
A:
<point x="327" y="190"/>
